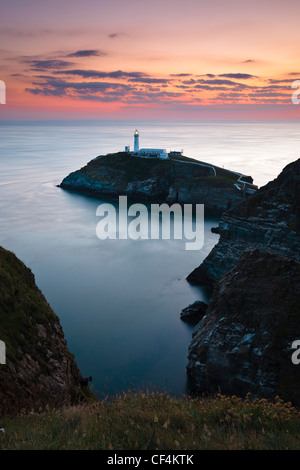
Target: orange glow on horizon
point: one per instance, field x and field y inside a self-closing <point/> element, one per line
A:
<point x="118" y="59"/>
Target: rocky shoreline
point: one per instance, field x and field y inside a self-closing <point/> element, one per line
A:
<point x="268" y="220"/>
<point x="244" y="342"/>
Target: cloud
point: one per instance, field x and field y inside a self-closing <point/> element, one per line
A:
<point x="149" y="80"/>
<point x="48" y="64"/>
<point x="57" y="87"/>
<point x="184" y="87"/>
<point x="180" y="74"/>
<point x="115" y="35"/>
<point x="219" y="81"/>
<point x="189" y="82"/>
<point x="284" y="80"/>
<point x="138" y="88"/>
<point x="103" y="91"/>
<point x="239" y="76"/>
<point x="98" y="74"/>
<point x="153" y="97"/>
<point x="210" y="88"/>
<point x="87" y="53"/>
<point x="274" y="87"/>
<point x="209" y="75"/>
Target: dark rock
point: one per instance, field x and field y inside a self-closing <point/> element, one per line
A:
<point x="268" y="220"/>
<point x="243" y="344"/>
<point x="85" y="381"/>
<point x="194" y="312"/>
<point x="40" y="371"/>
<point x="156" y="181"/>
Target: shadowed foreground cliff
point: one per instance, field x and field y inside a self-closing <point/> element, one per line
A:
<point x="40" y="371"/>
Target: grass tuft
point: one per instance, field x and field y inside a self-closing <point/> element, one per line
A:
<point x="158" y="421"/>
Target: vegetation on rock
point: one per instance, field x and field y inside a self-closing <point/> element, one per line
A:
<point x="40" y="371"/>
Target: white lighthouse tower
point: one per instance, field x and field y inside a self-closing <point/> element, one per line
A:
<point x="136" y="141"/>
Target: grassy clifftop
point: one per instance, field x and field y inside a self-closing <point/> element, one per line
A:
<point x="137" y="168"/>
<point x="158" y="422"/>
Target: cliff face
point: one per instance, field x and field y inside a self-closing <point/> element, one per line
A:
<point x="154" y="180"/>
<point x="40" y="371"/>
<point x="268" y="220"/>
<point x="243" y="344"/>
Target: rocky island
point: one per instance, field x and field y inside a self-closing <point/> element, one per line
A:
<point x="147" y="178"/>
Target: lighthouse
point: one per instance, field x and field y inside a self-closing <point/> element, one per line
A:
<point x="136" y="141"/>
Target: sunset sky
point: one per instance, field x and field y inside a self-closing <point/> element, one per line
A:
<point x="160" y="59"/>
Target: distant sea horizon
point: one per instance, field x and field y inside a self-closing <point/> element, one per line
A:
<point x="275" y="140"/>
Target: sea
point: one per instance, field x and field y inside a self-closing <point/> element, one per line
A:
<point x="119" y="301"/>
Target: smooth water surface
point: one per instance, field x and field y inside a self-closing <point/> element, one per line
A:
<point x="118" y="300"/>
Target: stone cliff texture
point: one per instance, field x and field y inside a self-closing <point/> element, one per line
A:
<point x="39" y="371"/>
<point x="154" y="180"/>
<point x="268" y="220"/>
<point x="243" y="344"/>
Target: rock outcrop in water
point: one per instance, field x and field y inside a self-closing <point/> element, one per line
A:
<point x="40" y="371"/>
<point x="243" y="344"/>
<point x="194" y="312"/>
<point x="268" y="220"/>
<point x="155" y="180"/>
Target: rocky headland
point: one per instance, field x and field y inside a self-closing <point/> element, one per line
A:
<point x="244" y="342"/>
<point x="40" y="371"/>
<point x="153" y="180"/>
<point x="268" y="220"/>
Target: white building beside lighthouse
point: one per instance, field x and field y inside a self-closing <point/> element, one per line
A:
<point x="147" y="152"/>
<point x="158" y="153"/>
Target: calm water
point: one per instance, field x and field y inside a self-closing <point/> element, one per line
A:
<point x="118" y="301"/>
